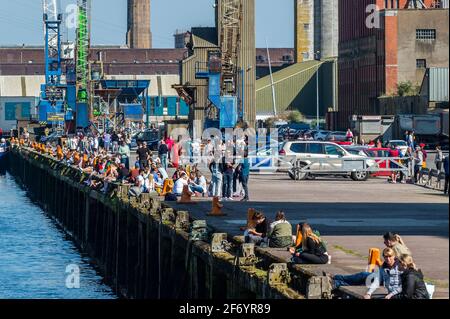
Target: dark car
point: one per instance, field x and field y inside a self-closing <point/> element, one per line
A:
<point x="52" y="137"/>
<point x="151" y="137"/>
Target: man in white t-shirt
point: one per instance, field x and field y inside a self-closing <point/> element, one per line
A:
<point x="179" y="184"/>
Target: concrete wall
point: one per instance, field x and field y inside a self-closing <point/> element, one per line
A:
<point x="7" y="125"/>
<point x="30" y="85"/>
<point x="436" y="52"/>
<point x="21" y="85"/>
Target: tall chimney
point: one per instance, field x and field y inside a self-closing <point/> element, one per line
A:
<point x="139" y="35"/>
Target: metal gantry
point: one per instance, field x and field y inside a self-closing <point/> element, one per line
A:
<point x="230" y="40"/>
<point x="83" y="43"/>
<point x="52" y="34"/>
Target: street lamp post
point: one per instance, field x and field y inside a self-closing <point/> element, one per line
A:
<point x="317" y="90"/>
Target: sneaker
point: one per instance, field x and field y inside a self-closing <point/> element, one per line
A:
<point x="230" y="199"/>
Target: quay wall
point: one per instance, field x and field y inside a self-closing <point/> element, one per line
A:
<point x="141" y="254"/>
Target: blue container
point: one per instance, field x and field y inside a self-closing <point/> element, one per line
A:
<point x="184" y="108"/>
<point x="158" y="106"/>
<point x="228" y="111"/>
<point x="82" y="115"/>
<point x="172" y="106"/>
<point x="133" y="112"/>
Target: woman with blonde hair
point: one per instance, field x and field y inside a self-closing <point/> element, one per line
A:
<point x="313" y="250"/>
<point x="396" y="242"/>
<point x="413" y="285"/>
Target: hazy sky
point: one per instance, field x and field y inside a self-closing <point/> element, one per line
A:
<point x="21" y="21"/>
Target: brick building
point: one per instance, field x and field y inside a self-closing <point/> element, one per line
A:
<point x="124" y="61"/>
<point x="380" y="48"/>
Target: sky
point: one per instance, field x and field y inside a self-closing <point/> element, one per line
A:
<point x="21" y="21"/>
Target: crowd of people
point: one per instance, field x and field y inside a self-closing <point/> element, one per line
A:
<point x="107" y="159"/>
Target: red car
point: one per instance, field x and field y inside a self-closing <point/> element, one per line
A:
<point x="372" y="152"/>
<point x="380" y="152"/>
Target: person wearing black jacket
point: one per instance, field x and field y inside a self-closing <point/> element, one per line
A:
<point x="312" y="249"/>
<point x="163" y="150"/>
<point x="413" y="285"/>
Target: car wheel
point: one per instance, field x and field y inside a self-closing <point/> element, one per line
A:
<point x="298" y="176"/>
<point x="360" y="176"/>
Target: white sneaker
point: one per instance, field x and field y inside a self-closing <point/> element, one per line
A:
<point x="329" y="259"/>
<point x="230" y="199"/>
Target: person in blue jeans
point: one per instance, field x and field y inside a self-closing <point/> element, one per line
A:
<point x="163" y="150"/>
<point x="228" y="173"/>
<point x="245" y="174"/>
<point x="389" y="274"/>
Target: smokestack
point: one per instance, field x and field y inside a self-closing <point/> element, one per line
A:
<point x="139" y="35"/>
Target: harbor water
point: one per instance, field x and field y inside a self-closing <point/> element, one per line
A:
<point x="37" y="259"/>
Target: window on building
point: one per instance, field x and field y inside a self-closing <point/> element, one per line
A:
<point x="426" y="34"/>
<point x="421" y="63"/>
<point x="306" y="26"/>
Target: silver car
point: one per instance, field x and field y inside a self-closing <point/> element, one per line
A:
<point x="325" y="158"/>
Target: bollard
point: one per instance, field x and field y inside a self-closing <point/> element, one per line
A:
<point x="186" y="196"/>
<point x="216" y="208"/>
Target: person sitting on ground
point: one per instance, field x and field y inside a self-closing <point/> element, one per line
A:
<point x="257" y="230"/>
<point x="134" y="173"/>
<point x="170" y="197"/>
<point x="136" y="190"/>
<point x="395" y="242"/>
<point x="124" y="173"/>
<point x="280" y="232"/>
<point x="194" y="187"/>
<point x="388" y="275"/>
<point x="312" y="250"/>
<point x="180" y="183"/>
<point x="177" y="174"/>
<point x="110" y="176"/>
<point x="201" y="181"/>
<point x="149" y="181"/>
<point x="413" y="285"/>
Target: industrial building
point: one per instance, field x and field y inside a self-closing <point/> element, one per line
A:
<point x="178" y="91"/>
<point x="218" y="78"/>
<point x="400" y="42"/>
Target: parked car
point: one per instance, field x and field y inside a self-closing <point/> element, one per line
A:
<point x="336" y="137"/>
<point x="308" y="152"/>
<point x="401" y="145"/>
<point x="374" y="153"/>
<point x="356" y="149"/>
<point x="151" y="137"/>
<point x="321" y="135"/>
<point x="52" y="137"/>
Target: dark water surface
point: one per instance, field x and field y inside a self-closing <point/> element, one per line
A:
<point x="35" y="253"/>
